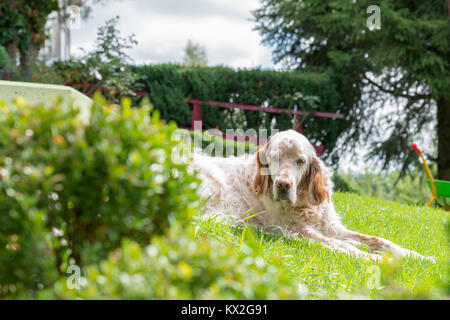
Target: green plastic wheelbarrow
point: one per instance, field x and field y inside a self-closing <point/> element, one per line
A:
<point x="439" y="188"/>
<point x="442" y="192"/>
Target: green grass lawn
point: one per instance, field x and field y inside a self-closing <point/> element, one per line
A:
<point x="325" y="274"/>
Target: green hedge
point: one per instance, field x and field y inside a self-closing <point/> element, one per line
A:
<point x="168" y="86"/>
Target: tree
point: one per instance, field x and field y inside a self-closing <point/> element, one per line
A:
<point x="195" y="55"/>
<point x="406" y="62"/>
<point x="107" y="67"/>
<point x="22" y="25"/>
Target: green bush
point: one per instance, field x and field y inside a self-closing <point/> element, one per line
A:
<point x="4" y="58"/>
<point x="410" y="188"/>
<point x="340" y="184"/>
<point x="180" y="266"/>
<point x="106" y="67"/>
<point x="70" y="191"/>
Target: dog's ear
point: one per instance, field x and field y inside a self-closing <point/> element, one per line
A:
<point x="262" y="177"/>
<point x="316" y="184"/>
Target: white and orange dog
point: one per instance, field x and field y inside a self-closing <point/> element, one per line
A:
<point x="291" y="188"/>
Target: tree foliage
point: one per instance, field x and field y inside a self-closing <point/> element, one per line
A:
<point x="22" y="27"/>
<point x="194" y="55"/>
<point x="104" y="68"/>
<point x="23" y="22"/>
<point x="405" y="64"/>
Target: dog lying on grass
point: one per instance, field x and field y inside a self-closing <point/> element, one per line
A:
<point x="285" y="186"/>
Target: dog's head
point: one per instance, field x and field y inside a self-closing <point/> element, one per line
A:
<point x="289" y="168"/>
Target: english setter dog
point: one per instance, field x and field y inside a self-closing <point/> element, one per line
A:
<point x="291" y="188"/>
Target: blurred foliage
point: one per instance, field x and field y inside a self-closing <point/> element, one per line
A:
<point x="181" y="266"/>
<point x="105" y="68"/>
<point x="23" y="28"/>
<point x="70" y="191"/>
<point x="40" y="71"/>
<point x="411" y="188"/>
<point x="4" y="58"/>
<point x="341" y="184"/>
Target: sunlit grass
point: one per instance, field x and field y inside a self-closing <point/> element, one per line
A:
<point x="328" y="274"/>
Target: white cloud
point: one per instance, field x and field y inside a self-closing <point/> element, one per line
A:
<point x="163" y="28"/>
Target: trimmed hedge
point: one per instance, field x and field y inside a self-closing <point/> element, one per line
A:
<point x="169" y="86"/>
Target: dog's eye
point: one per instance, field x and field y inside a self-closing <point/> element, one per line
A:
<point x="300" y="162"/>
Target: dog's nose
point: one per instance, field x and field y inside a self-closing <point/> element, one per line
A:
<point x="283" y="185"/>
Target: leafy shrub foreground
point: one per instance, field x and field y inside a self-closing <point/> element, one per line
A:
<point x="71" y="191"/>
<point x="180" y="266"/>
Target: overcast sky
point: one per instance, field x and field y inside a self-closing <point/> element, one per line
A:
<point x="163" y="27"/>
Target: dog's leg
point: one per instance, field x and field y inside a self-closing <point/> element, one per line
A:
<point x="336" y="244"/>
<point x="379" y="244"/>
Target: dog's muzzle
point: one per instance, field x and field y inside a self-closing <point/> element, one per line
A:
<point x="283" y="189"/>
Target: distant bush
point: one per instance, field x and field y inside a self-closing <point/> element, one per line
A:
<point x="340" y="184"/>
<point x="70" y="191"/>
<point x="104" y="68"/>
<point x="4" y="58"/>
<point x="410" y="188"/>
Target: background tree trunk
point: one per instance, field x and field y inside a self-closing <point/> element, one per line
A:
<point x="25" y="59"/>
<point x="443" y="131"/>
<point x="11" y="49"/>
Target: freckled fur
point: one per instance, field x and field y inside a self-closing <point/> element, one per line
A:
<point x="247" y="183"/>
